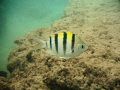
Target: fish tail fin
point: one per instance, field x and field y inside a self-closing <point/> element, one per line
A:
<point x="41" y="43"/>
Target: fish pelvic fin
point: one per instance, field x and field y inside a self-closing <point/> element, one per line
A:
<point x="41" y="43"/>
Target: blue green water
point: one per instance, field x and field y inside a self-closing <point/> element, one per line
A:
<point x="20" y="16"/>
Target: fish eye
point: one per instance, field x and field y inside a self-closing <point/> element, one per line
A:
<point x="82" y="46"/>
<point x="73" y="51"/>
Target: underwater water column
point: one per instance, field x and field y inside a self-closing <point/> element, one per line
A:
<point x="17" y="17"/>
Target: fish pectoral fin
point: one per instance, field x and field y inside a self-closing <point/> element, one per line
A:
<point x="50" y="52"/>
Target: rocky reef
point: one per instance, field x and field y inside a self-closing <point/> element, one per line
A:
<point x="98" y="24"/>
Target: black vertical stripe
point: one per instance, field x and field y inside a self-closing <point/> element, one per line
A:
<point x="64" y="42"/>
<point x="73" y="42"/>
<point x="46" y="44"/>
<point x="50" y="42"/>
<point x="56" y="42"/>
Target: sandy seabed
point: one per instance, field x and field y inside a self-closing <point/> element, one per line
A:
<point x="97" y="22"/>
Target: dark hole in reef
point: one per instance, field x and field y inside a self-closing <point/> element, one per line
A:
<point x="29" y="56"/>
<point x="3" y="74"/>
<point x="114" y="83"/>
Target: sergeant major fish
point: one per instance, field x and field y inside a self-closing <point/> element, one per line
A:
<point x="63" y="44"/>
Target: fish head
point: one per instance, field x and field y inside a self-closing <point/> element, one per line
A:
<point x="80" y="48"/>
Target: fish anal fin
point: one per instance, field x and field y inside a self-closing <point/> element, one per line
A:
<point x="50" y="52"/>
<point x="65" y="57"/>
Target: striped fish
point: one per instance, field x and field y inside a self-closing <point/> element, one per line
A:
<point x="63" y="44"/>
